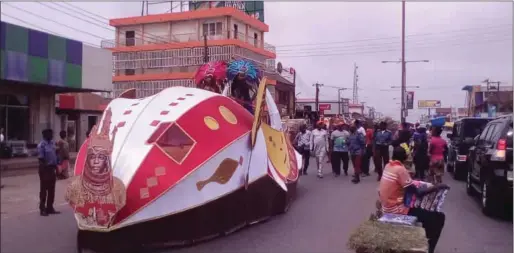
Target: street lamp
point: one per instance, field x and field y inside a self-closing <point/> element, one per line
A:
<point x="404" y="66"/>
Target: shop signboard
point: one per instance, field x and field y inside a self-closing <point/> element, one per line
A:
<point x="323" y="107"/>
<point x="429" y="104"/>
<point x="410" y="100"/>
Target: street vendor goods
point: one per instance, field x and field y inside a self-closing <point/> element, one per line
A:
<point x="179" y="167"/>
<point x="430" y="202"/>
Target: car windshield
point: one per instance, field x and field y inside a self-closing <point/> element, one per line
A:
<point x="472" y="128"/>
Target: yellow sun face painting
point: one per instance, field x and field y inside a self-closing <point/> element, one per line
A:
<point x="276" y="146"/>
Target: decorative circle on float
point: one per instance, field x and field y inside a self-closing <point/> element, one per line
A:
<point x="211" y="123"/>
<point x="228" y="115"/>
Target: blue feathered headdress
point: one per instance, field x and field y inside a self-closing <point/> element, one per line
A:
<point x="247" y="68"/>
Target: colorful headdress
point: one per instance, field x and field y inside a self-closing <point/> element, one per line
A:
<point x="101" y="139"/>
<point x="245" y="68"/>
<point x="215" y="69"/>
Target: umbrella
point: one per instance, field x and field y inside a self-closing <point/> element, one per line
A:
<point x="215" y="69"/>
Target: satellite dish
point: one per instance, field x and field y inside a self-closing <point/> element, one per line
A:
<point x="279" y="67"/>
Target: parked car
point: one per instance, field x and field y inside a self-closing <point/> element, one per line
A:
<point x="461" y="139"/>
<point x="490" y="167"/>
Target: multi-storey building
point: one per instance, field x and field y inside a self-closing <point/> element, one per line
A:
<point x="153" y="52"/>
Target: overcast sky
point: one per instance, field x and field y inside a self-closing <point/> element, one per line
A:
<point x="464" y="42"/>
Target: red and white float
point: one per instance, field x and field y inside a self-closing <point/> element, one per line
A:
<point x="179" y="167"/>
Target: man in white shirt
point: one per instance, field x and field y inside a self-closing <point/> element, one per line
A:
<point x="319" y="145"/>
<point x="2" y="136"/>
<point x="359" y="127"/>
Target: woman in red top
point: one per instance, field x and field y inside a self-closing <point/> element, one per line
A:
<point x="437" y="148"/>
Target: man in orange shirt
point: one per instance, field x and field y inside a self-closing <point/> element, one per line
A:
<point x="395" y="182"/>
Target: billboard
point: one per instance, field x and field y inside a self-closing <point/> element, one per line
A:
<point x="426" y="104"/>
<point x="252" y="8"/>
<point x="410" y="100"/>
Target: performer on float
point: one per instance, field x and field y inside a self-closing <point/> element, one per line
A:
<point x="243" y="77"/>
<point x="212" y="76"/>
<point x="96" y="195"/>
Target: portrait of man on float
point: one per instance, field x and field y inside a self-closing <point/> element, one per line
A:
<point x="96" y="195"/>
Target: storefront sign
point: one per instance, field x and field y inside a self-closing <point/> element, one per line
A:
<point x="323" y="107"/>
<point x="425" y="104"/>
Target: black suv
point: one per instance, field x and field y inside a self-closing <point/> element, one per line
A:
<point x="490" y="166"/>
<point x="461" y="139"/>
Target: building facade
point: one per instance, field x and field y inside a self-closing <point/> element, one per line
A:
<point x="488" y="101"/>
<point x="154" y="52"/>
<point x="35" y="66"/>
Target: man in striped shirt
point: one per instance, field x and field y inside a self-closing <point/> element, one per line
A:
<point x="395" y="182"/>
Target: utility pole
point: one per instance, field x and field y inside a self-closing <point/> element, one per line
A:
<point x="403" y="64"/>
<point x="205" y="49"/>
<point x="355" y="84"/>
<point x="317" y="85"/>
<point x="339" y="100"/>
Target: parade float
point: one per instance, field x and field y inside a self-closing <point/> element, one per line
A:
<point x="184" y="165"/>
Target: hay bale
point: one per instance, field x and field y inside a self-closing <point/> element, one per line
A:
<point x="376" y="237"/>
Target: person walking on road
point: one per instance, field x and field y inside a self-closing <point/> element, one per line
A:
<point x="63" y="154"/>
<point x="395" y="182"/>
<point x="47" y="173"/>
<point x="356" y="145"/>
<point x="304" y="145"/>
<point x="383" y="138"/>
<point x="319" y="146"/>
<point x="368" y="151"/>
<point x="421" y="153"/>
<point x="437" y="150"/>
<point x="339" y="149"/>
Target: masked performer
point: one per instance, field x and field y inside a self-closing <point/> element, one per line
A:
<point x="244" y="79"/>
<point x="212" y="76"/>
<point x="97" y="195"/>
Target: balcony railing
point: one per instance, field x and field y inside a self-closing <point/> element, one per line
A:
<point x="150" y="39"/>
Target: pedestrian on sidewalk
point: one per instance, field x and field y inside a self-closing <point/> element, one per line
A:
<point x="368" y="151"/>
<point x="437" y="148"/>
<point x="63" y="154"/>
<point x="303" y="144"/>
<point x="383" y="138"/>
<point x="339" y="149"/>
<point x="356" y="144"/>
<point x="47" y="156"/>
<point x="319" y="146"/>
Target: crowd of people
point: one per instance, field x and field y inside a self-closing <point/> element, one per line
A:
<point x="417" y="153"/>
<point x="363" y="145"/>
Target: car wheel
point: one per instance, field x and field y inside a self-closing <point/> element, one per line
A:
<point x="487" y="200"/>
<point x="469" y="187"/>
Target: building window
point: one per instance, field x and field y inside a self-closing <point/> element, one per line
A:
<point x="236" y="31"/>
<point x="130" y="72"/>
<point x="130" y="38"/>
<point x="213" y="28"/>
<point x="255" y="39"/>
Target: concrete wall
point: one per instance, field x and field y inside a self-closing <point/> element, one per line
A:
<point x="96" y="68"/>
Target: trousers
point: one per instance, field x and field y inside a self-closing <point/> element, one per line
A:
<point x="433" y="223"/>
<point x="336" y="158"/>
<point x="47" y="180"/>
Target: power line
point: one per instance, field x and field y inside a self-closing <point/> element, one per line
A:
<point x="394" y="43"/>
<point x="384" y="51"/>
<point x="43" y="29"/>
<point x="392" y="37"/>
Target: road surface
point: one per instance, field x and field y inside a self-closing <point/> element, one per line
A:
<point x="325" y="213"/>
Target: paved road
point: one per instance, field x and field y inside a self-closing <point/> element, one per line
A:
<point x="320" y="220"/>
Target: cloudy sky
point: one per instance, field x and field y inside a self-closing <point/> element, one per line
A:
<point x="465" y="43"/>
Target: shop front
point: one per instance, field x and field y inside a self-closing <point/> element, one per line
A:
<point x="35" y="66"/>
